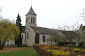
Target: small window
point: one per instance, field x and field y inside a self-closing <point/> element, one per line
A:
<point x="43" y="38"/>
<point x="21" y="35"/>
<point x="31" y="20"/>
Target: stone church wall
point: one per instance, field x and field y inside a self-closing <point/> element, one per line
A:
<point x="23" y="39"/>
<point x="30" y="41"/>
<point x="47" y="39"/>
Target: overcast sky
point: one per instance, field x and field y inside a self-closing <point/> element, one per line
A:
<point x="50" y="13"/>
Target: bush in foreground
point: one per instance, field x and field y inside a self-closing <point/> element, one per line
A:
<point x="48" y="50"/>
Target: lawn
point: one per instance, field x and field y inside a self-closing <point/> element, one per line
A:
<point x="18" y="51"/>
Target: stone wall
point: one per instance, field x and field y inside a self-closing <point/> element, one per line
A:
<point x="23" y="38"/>
<point x="30" y="40"/>
<point x="47" y="39"/>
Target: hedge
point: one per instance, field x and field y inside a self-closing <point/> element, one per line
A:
<point x="48" y="50"/>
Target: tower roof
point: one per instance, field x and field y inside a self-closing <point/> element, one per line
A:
<point x="31" y="11"/>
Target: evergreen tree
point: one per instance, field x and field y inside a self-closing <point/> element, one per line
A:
<point x="19" y="39"/>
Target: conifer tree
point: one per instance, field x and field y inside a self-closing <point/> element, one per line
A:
<point x="19" y="39"/>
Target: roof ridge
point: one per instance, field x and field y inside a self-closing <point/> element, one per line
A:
<point x="43" y="27"/>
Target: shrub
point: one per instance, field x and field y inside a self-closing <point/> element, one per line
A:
<point x="48" y="50"/>
<point x="81" y="44"/>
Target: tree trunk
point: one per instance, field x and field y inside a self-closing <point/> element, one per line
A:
<point x="2" y="45"/>
<point x="77" y="43"/>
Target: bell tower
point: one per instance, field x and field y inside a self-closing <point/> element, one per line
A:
<point x="31" y="18"/>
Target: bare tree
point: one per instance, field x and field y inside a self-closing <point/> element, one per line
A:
<point x="80" y="37"/>
<point x="0" y="13"/>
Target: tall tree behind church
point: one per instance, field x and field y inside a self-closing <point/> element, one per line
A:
<point x="19" y="39"/>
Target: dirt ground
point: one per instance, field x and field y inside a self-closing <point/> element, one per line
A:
<point x="9" y="49"/>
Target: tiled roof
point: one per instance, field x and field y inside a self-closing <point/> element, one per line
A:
<point x="42" y="30"/>
<point x="69" y="33"/>
<point x="31" y="11"/>
<point x="65" y="32"/>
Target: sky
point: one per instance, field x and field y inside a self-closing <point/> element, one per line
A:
<point x="50" y="13"/>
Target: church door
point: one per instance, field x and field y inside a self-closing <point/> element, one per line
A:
<point x="37" y="38"/>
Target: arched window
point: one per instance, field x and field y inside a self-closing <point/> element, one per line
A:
<point x="31" y="20"/>
<point x="22" y="35"/>
<point x="43" y="38"/>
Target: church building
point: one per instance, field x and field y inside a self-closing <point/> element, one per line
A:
<point x="32" y="34"/>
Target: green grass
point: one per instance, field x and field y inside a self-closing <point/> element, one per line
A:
<point x="26" y="52"/>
